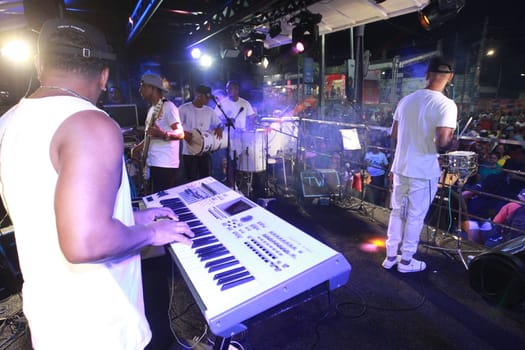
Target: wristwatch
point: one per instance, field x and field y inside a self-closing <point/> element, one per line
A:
<point x="167" y="136"/>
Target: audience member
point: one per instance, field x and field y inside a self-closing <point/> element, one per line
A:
<point x="506" y="216"/>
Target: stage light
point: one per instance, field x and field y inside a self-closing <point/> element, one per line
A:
<point x="265" y="62"/>
<point x="205" y="61"/>
<point x="16" y="51"/>
<point x="439" y="12"/>
<point x="253" y="47"/>
<point x="254" y="51"/>
<point x="275" y="29"/>
<point x="305" y="32"/>
<point x="196" y="53"/>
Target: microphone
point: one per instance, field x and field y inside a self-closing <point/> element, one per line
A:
<point x="212" y="97"/>
<point x="231" y="121"/>
<point x="240" y="111"/>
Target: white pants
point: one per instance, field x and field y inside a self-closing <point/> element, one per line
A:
<point x="411" y="199"/>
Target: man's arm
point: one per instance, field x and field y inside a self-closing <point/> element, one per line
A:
<point x="444" y="138"/>
<point x="393" y="130"/>
<point x="177" y="131"/>
<point x="176" y="134"/>
<point x="86" y="152"/>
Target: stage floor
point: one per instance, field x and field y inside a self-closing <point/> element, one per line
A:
<point x="377" y="309"/>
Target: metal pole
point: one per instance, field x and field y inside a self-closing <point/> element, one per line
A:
<point x="481" y="53"/>
<point x="359" y="79"/>
<point x="500" y="73"/>
<point x="322" y="75"/>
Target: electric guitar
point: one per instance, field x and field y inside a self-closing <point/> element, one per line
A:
<point x="157" y="111"/>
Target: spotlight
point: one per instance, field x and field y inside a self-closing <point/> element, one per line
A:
<point x="196" y="53"/>
<point x="305" y="32"/>
<point x="265" y="62"/>
<point x="438" y="12"/>
<point x="253" y="47"/>
<point x="254" y="51"/>
<point x="275" y="29"/>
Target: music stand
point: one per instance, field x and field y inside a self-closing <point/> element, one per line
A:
<point x="350" y="139"/>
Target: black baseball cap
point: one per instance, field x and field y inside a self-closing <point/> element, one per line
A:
<point x="97" y="47"/>
<point x="440" y="64"/>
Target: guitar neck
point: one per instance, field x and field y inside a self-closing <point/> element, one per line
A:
<point x="157" y="110"/>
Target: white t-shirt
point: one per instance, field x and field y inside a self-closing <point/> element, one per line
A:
<point x="68" y="306"/>
<point x="164" y="154"/>
<point x="418" y="115"/>
<point x="232" y="108"/>
<point x="203" y="119"/>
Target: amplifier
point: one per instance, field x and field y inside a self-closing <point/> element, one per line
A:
<point x="320" y="183"/>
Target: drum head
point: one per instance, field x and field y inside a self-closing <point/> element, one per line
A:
<point x="197" y="142"/>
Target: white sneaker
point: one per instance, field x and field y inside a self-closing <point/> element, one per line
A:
<point x="413" y="266"/>
<point x="388" y="264"/>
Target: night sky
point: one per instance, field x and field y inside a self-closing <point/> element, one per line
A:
<point x="460" y="36"/>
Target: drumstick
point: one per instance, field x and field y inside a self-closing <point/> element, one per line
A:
<point x="465" y="127"/>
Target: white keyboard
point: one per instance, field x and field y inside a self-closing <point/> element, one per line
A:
<point x="244" y="259"/>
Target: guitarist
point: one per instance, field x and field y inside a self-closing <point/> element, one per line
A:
<point x="159" y="151"/>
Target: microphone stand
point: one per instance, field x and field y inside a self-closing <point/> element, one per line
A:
<point x="230" y="172"/>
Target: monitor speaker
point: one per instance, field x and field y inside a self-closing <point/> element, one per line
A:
<point x="499" y="275"/>
<point x="320" y="183"/>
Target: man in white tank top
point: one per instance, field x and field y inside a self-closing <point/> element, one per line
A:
<point x="77" y="236"/>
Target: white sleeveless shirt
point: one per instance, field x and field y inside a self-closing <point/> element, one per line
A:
<point x="104" y="299"/>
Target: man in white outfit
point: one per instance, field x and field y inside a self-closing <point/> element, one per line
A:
<point x="424" y="122"/>
<point x="197" y="116"/>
